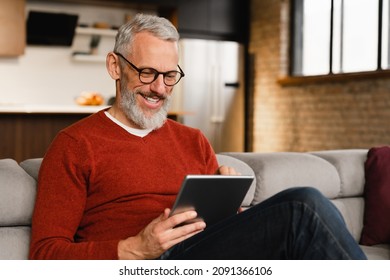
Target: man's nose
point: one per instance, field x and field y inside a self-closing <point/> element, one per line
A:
<point x="158" y="85"/>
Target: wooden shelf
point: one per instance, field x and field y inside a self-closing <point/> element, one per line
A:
<point x="89" y="58"/>
<point x="96" y="31"/>
<point x="81" y="51"/>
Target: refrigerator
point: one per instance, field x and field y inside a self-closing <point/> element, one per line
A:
<point x="211" y="95"/>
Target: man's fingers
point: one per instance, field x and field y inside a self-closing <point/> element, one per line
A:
<point x="227" y="170"/>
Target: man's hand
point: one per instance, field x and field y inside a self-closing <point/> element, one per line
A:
<point x="160" y="235"/>
<point x="226" y="170"/>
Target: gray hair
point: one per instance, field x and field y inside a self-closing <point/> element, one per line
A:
<point x="157" y="26"/>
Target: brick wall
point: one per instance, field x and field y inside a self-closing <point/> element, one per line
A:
<point x="327" y="115"/>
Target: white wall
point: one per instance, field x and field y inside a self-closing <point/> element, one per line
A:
<point x="49" y="75"/>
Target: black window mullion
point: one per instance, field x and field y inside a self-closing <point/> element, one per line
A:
<point x="331" y="37"/>
<point x="380" y="26"/>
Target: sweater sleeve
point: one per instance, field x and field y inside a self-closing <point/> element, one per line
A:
<point x="60" y="203"/>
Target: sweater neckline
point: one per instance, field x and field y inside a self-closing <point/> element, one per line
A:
<point x="134" y="131"/>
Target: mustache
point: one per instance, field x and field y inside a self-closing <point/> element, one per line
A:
<point x="151" y="95"/>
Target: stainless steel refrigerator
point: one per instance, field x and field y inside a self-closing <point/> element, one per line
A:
<point x="212" y="92"/>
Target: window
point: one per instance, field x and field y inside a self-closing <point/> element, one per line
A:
<point x="339" y="36"/>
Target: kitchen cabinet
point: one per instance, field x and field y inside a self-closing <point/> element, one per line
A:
<point x="214" y="19"/>
<point x="136" y="4"/>
<point x="202" y="19"/>
<point x="12" y="28"/>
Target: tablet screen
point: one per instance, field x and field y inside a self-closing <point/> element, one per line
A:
<point x="213" y="197"/>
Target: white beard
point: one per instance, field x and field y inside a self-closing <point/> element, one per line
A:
<point x="135" y="114"/>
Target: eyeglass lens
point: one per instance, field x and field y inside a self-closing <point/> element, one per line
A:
<point x="149" y="75"/>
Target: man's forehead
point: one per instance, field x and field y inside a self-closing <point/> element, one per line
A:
<point x="151" y="51"/>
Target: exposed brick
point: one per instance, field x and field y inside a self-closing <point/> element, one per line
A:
<point x="339" y="115"/>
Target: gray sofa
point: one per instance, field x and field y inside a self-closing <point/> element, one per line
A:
<point x="339" y="175"/>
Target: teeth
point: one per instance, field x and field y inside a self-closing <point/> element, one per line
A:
<point x="151" y="100"/>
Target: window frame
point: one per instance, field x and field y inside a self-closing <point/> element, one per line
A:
<point x="296" y="54"/>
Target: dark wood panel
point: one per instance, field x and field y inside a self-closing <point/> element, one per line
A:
<point x="26" y="136"/>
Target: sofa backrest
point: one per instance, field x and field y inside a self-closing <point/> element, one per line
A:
<point x="31" y="166"/>
<point x="17" y="198"/>
<point x="338" y="174"/>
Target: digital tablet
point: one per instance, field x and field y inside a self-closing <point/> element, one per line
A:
<point x="213" y="197"/>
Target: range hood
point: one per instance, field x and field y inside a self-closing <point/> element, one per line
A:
<point x="54" y="29"/>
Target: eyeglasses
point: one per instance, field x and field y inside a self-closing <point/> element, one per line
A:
<point x="149" y="75"/>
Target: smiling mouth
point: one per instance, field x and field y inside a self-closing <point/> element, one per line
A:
<point x="152" y="98"/>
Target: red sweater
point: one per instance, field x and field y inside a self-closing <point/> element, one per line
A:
<point x="99" y="184"/>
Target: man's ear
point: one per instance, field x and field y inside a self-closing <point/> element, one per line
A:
<point x="112" y="65"/>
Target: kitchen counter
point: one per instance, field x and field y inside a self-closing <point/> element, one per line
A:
<point x="49" y="109"/>
<point x="64" y="109"/>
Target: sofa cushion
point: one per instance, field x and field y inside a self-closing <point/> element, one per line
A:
<point x="242" y="168"/>
<point x="31" y="166"/>
<point x="18" y="191"/>
<point x="351" y="208"/>
<point x="14" y="243"/>
<point x="279" y="171"/>
<point x="376" y="226"/>
<point x="349" y="163"/>
<point x="377" y="252"/>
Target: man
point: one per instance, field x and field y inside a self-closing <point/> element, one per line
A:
<point x="107" y="182"/>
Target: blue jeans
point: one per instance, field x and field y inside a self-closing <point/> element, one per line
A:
<point x="298" y="223"/>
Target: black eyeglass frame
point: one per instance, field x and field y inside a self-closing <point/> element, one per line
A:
<point x="156" y="73"/>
